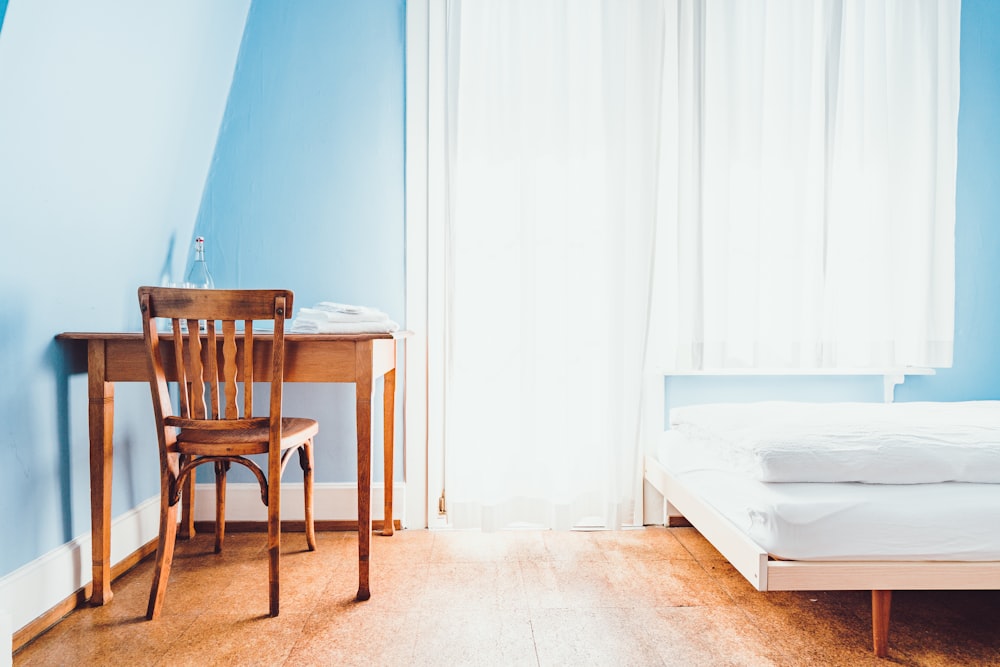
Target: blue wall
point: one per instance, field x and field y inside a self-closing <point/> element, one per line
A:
<point x="976" y="370"/>
<point x="309" y="162"/>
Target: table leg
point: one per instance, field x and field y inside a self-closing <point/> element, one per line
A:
<point x="363" y="387"/>
<point x="101" y="414"/>
<point x="388" y="451"/>
<point x="881" y="604"/>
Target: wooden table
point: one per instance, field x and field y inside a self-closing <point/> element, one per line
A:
<point x="359" y="358"/>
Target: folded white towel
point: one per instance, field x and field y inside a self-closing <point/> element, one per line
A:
<point x="311" y="326"/>
<point x="320" y="315"/>
<point x="331" y="307"/>
<point x="342" y="318"/>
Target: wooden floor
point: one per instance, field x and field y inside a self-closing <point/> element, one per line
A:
<point x="655" y="596"/>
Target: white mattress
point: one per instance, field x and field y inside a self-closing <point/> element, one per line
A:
<point x="876" y="443"/>
<point x="844" y="520"/>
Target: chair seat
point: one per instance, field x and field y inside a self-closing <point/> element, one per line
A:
<point x="294" y="431"/>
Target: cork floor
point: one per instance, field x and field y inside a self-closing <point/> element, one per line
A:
<point x="655" y="596"/>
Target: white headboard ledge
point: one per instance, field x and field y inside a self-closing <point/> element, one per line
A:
<point x="890" y="376"/>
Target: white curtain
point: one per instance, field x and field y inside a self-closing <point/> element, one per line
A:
<point x="548" y="244"/>
<point x="774" y="177"/>
<point x="808" y="184"/>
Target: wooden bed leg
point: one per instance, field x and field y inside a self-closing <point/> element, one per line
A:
<point x="881" y="603"/>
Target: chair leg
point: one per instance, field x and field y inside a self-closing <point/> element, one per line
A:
<point x="306" y="462"/>
<point x="221" y="468"/>
<point x="274" y="530"/>
<point x="164" y="556"/>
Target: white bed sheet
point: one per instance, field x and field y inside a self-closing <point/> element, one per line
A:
<point x="844" y="520"/>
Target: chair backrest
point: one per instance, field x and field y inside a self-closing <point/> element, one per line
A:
<point x="210" y="343"/>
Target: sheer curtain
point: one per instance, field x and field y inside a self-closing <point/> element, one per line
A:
<point x="552" y="175"/>
<point x="624" y="187"/>
<point x="808" y="184"/>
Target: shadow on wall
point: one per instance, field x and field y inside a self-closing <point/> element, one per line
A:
<point x="64" y="361"/>
<point x="135" y="474"/>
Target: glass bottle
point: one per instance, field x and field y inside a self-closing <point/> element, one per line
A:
<point x="198" y="276"/>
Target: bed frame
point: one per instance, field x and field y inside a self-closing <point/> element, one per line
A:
<point x="767" y="574"/>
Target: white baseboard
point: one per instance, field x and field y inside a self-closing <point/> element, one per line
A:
<point x="33" y="589"/>
<point x="331" y="502"/>
<point x="37" y="587"/>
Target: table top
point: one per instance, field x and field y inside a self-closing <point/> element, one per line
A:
<point x="137" y="335"/>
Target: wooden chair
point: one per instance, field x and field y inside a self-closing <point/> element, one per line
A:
<point x="205" y="351"/>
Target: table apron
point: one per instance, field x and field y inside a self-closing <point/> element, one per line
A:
<point x="305" y="361"/>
